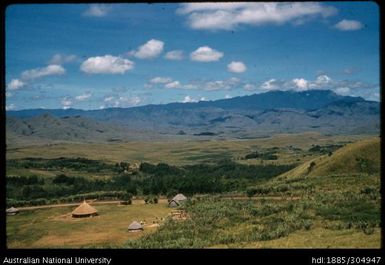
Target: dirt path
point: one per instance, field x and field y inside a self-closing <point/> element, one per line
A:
<point x="62" y="205"/>
<point x="142" y="202"/>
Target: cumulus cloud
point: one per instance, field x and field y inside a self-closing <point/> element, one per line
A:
<point x="228" y="16"/>
<point x="189" y="99"/>
<point x="66" y="102"/>
<point x="300" y="84"/>
<point x="84" y="96"/>
<point x="174" y="84"/>
<point x="174" y="55"/>
<point x="62" y="59"/>
<point x="342" y="87"/>
<point x="236" y="67"/>
<point x="160" y="80"/>
<point x="10" y="107"/>
<point x="151" y="49"/>
<point x="96" y="10"/>
<point x="15" y="84"/>
<point x="52" y="69"/>
<point x="206" y="54"/>
<point x="120" y="101"/>
<point x="342" y="90"/>
<point x="348" y="25"/>
<point x="106" y="64"/>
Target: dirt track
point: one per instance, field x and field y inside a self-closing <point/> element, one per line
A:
<point x="142" y="202"/>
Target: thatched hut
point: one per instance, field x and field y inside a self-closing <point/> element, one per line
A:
<point x="84" y="210"/>
<point x="179" y="197"/>
<point x="12" y="211"/>
<point x="135" y="227"/>
<point x="177" y="200"/>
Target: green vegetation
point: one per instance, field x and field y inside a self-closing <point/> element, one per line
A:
<point x="150" y="179"/>
<point x="329" y="200"/>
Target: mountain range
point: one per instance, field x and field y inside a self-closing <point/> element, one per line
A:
<point x="257" y="115"/>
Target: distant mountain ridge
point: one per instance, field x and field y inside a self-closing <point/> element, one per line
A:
<point x="240" y="117"/>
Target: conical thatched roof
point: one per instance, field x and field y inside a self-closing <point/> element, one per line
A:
<point x="179" y="197"/>
<point x="84" y="209"/>
<point x="12" y="210"/>
<point x="173" y="203"/>
<point x="135" y="226"/>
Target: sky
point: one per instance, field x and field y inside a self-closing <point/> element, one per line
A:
<point x="95" y="56"/>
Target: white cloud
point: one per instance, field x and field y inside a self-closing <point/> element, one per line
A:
<point x="301" y="84"/>
<point x="106" y="64"/>
<point x="189" y="99"/>
<point x="236" y="67"/>
<point x="108" y="99"/>
<point x="249" y="87"/>
<point x="206" y="54"/>
<point x="271" y="84"/>
<point x="10" y="107"/>
<point x="62" y="59"/>
<point x="96" y="10"/>
<point x="222" y="84"/>
<point x="129" y="101"/>
<point x="52" y="69"/>
<point x="15" y="84"/>
<point x="160" y="80"/>
<point x="349" y="25"/>
<point x="84" y="96"/>
<point x="174" y="55"/>
<point x="342" y="90"/>
<point x="174" y="84"/>
<point x="149" y="50"/>
<point x="323" y="80"/>
<point x="227" y="16"/>
<point x="66" y="102"/>
<point x="120" y="101"/>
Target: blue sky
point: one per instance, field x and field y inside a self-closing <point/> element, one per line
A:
<point x="93" y="56"/>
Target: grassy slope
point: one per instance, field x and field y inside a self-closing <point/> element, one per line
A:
<point x="342" y="161"/>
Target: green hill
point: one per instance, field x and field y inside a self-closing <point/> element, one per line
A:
<point x="360" y="157"/>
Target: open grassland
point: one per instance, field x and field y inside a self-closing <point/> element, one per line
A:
<point x="55" y="228"/>
<point x="180" y="152"/>
<point x="330" y="200"/>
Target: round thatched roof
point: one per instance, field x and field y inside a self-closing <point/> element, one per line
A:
<point x="173" y="203"/>
<point x="12" y="210"/>
<point x="179" y="197"/>
<point x="135" y="226"/>
<point x="84" y="209"/>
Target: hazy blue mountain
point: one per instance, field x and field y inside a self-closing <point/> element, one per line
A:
<point x="241" y="117"/>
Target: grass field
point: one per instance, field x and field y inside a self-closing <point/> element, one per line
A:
<point x="55" y="228"/>
<point x="179" y="152"/>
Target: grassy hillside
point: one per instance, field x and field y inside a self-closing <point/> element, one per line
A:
<point x="360" y="157"/>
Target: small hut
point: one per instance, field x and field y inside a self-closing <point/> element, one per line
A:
<point x="177" y="200"/>
<point x="12" y="211"/>
<point x="135" y="227"/>
<point x="173" y="204"/>
<point x="84" y="210"/>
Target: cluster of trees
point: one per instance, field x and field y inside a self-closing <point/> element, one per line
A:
<point x="263" y="156"/>
<point x="76" y="164"/>
<point x="327" y="149"/>
<point x="160" y="179"/>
